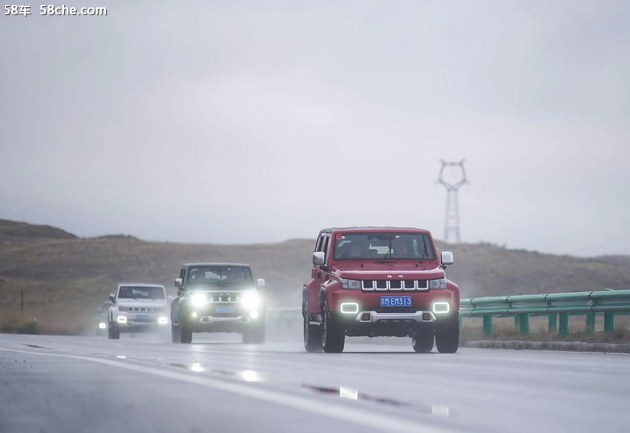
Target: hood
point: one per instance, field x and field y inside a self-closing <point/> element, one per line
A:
<point x="220" y="287"/>
<point x="152" y="303"/>
<point x="407" y="265"/>
<point x="385" y="271"/>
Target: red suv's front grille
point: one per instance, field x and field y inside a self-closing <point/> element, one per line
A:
<point x="393" y="285"/>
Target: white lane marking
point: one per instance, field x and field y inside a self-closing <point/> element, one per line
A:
<point x="353" y="415"/>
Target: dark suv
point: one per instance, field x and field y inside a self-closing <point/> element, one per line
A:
<point x="379" y="281"/>
<point x="218" y="297"/>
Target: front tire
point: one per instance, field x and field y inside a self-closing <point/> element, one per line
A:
<point x="447" y="334"/>
<point x="312" y="336"/>
<point x="185" y="333"/>
<point x="180" y="333"/>
<point x="176" y="334"/>
<point x="113" y="333"/>
<point x="422" y="341"/>
<point x="333" y="336"/>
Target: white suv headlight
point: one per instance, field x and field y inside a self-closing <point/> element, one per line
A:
<point x="199" y="299"/>
<point x="350" y="284"/>
<point x="251" y="300"/>
<point x="437" y="284"/>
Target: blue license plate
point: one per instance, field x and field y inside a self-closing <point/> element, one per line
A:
<point x="395" y="301"/>
<point x="224" y="309"/>
<point x="143" y="318"/>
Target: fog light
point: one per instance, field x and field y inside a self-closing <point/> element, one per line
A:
<point x="194" y="315"/>
<point x="441" y="307"/>
<point x="102" y="325"/>
<point x="349" y="307"/>
<point x="121" y="319"/>
<point x="254" y="315"/>
<point x="163" y="321"/>
<point x="366" y="317"/>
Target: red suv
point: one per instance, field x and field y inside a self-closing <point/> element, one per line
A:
<point x="380" y="281"/>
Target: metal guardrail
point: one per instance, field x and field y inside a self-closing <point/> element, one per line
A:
<point x="554" y="305"/>
<point x="557" y="306"/>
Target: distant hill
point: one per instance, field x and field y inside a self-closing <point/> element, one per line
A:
<point x="18" y="231"/>
<point x="65" y="278"/>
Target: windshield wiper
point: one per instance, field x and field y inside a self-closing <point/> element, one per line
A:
<point x="388" y="254"/>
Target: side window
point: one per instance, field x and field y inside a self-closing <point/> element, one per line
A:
<point x="182" y="275"/>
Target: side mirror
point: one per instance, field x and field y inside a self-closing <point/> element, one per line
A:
<point x="112" y="297"/>
<point x="446" y="258"/>
<point x="319" y="258"/>
<point x="260" y="282"/>
<point x="178" y="283"/>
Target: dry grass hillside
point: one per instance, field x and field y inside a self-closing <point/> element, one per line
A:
<point x="65" y="278"/>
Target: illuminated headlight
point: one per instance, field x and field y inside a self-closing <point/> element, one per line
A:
<point x="102" y="325"/>
<point x="350" y="284"/>
<point x="437" y="284"/>
<point x="441" y="307"/>
<point x="163" y="321"/>
<point x="199" y="299"/>
<point x="349" y="307"/>
<point x="121" y="319"/>
<point x="251" y="300"/>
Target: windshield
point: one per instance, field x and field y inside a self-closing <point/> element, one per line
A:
<point x="219" y="275"/>
<point x="141" y="292"/>
<point x="383" y="246"/>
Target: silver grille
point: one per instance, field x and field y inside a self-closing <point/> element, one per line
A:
<point x="393" y="285"/>
<point x="144" y="309"/>
<point x="225" y="298"/>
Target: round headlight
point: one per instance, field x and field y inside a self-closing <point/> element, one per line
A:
<point x="199" y="299"/>
<point x="251" y="300"/>
<point x="437" y="284"/>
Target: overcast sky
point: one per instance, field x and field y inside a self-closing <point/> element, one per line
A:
<point x="261" y="121"/>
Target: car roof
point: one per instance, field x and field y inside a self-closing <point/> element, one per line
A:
<point x="216" y="264"/>
<point x="375" y="229"/>
<point x="140" y="285"/>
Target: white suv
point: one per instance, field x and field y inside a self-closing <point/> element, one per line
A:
<point x="137" y="307"/>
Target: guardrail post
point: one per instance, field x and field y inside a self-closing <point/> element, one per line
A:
<point x="521" y="322"/>
<point x="609" y="322"/>
<point x="590" y="322"/>
<point x="487" y="326"/>
<point x="525" y="324"/>
<point x="553" y="323"/>
<point x="564" y="324"/>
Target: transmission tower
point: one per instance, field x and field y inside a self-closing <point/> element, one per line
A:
<point x="451" y="222"/>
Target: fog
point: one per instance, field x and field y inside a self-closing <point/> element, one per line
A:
<point x="247" y="122"/>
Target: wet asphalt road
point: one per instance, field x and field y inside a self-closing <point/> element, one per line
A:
<point x="217" y="384"/>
